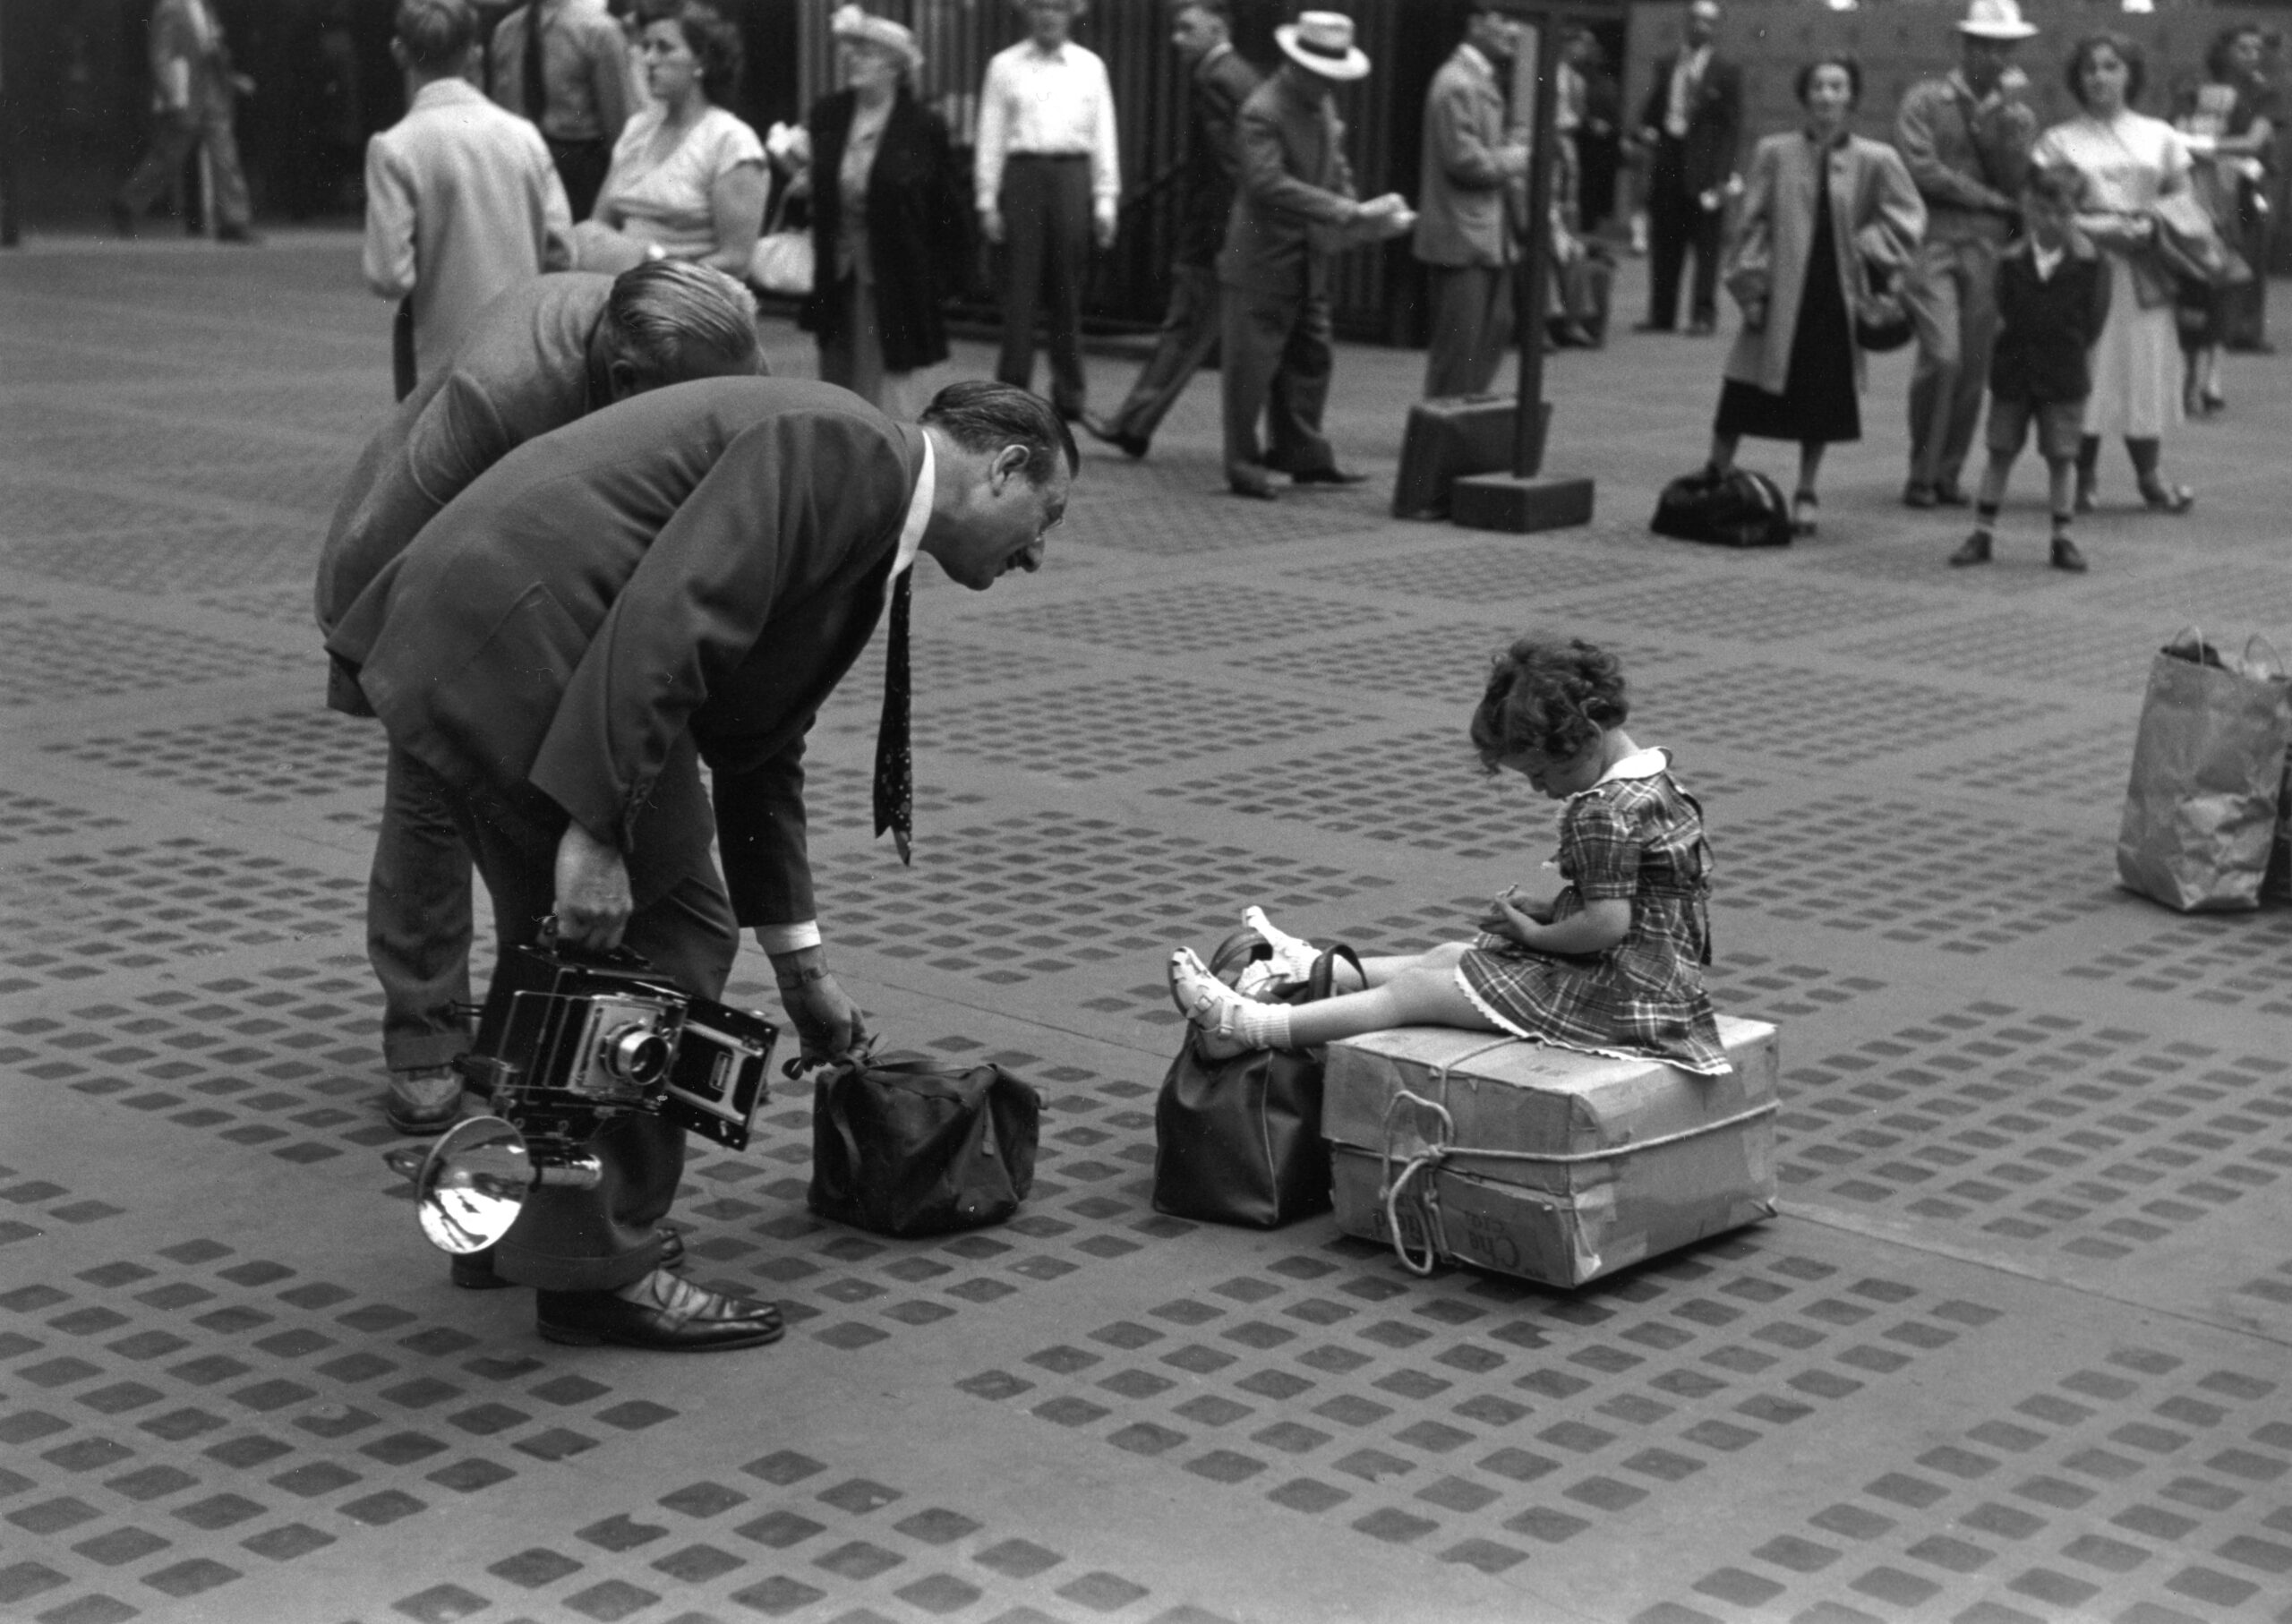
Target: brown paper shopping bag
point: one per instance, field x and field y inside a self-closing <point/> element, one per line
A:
<point x="2208" y="776"/>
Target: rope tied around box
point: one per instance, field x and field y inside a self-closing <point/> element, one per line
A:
<point x="1438" y="1147"/>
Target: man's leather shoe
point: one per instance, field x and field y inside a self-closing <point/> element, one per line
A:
<point x="424" y="1100"/>
<point x="1099" y="429"/>
<point x="660" y="1313"/>
<point x="1951" y="496"/>
<point x="1916" y="495"/>
<point x="1973" y="549"/>
<point x="2065" y="556"/>
<point x="1702" y="327"/>
<point x="245" y="236"/>
<point x="1251" y="481"/>
<point x="1331" y="476"/>
<point x="474" y="1270"/>
<point x="1651" y="327"/>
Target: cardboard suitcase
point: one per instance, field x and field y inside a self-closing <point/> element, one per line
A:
<point x="1453" y="436"/>
<point x="1603" y="1162"/>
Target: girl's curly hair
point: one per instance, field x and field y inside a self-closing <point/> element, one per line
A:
<point x="1549" y="696"/>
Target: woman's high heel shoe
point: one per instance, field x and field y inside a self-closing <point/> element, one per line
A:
<point x="1803" y="504"/>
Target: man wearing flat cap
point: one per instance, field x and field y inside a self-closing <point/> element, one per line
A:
<point x="1293" y="207"/>
<point x="1965" y="137"/>
<point x="1048" y="174"/>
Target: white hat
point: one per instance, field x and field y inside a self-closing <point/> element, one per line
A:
<point x="851" y="22"/>
<point x="1996" y="20"/>
<point x="1321" y="42"/>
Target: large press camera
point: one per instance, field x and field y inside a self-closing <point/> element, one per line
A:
<point x="588" y="1038"/>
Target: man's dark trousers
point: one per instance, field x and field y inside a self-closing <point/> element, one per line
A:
<point x="1677" y="221"/>
<point x="418" y="918"/>
<point x="1277" y="363"/>
<point x="1190" y="331"/>
<point x="593" y="1240"/>
<point x="581" y="165"/>
<point x="1046" y="204"/>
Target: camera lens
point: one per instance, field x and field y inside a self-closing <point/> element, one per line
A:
<point x="635" y="1053"/>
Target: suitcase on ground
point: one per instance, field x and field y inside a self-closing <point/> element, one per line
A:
<point x="1453" y="436"/>
<point x="1545" y="1163"/>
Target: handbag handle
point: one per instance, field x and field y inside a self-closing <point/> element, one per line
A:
<point x="1323" y="982"/>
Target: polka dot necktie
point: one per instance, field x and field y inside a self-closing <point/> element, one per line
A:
<point x="894" y="760"/>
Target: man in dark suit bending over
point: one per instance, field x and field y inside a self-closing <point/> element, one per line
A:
<point x="682" y="578"/>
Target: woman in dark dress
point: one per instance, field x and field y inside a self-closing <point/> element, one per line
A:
<point x="1821" y="207"/>
<point x="2230" y="123"/>
<point x="890" y="219"/>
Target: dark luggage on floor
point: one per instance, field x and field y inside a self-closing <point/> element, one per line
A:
<point x="1737" y="509"/>
<point x="1451" y="437"/>
<point x="904" y="1146"/>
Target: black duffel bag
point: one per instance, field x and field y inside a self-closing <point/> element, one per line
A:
<point x="905" y="1146"/>
<point x="1737" y="509"/>
<point x="1239" y="1141"/>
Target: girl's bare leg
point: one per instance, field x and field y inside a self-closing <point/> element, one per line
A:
<point x="1423" y="994"/>
<point x="1382" y="969"/>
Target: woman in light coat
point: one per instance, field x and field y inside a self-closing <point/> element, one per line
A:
<point x="1821" y="209"/>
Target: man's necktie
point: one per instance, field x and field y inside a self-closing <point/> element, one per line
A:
<point x="894" y="761"/>
<point x="536" y="86"/>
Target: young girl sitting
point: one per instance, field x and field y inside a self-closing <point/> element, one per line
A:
<point x="1613" y="965"/>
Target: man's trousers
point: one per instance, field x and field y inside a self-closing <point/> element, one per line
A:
<point x="1951" y="294"/>
<point x="1678" y="222"/>
<point x="418" y="918"/>
<point x="1046" y="204"/>
<point x="1190" y="331"/>
<point x="1472" y="327"/>
<point x="173" y="137"/>
<point x="1277" y="365"/>
<point x="597" y="1239"/>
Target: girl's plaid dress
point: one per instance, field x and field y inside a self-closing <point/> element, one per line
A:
<point x="1638" y="837"/>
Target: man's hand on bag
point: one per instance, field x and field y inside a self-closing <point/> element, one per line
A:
<point x="829" y="1023"/>
<point x="593" y="897"/>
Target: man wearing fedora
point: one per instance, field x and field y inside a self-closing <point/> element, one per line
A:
<point x="1293" y="207"/>
<point x="1966" y="138"/>
<point x="1048" y="178"/>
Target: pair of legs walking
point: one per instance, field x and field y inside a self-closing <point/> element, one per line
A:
<point x="1276" y="365"/>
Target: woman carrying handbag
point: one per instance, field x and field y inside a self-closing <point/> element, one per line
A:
<point x="1820" y="207"/>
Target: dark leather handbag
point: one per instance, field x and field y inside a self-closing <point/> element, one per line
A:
<point x="1238" y="1140"/>
<point x="1737" y="509"/>
<point x="905" y="1146"/>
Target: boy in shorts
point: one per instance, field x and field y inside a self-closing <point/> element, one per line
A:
<point x="2053" y="293"/>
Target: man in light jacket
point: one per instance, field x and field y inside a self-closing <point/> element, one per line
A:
<point x="462" y="200"/>
<point x="1469" y="207"/>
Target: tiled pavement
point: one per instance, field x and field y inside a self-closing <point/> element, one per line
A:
<point x="2016" y="1350"/>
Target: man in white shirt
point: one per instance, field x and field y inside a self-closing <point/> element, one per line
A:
<point x="462" y="200"/>
<point x="1048" y="177"/>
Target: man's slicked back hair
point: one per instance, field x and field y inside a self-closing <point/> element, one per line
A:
<point x="984" y="417"/>
<point x="664" y="313"/>
<point x="436" y="34"/>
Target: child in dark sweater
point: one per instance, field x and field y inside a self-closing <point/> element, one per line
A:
<point x="2053" y="293"/>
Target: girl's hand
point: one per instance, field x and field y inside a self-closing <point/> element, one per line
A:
<point x="1507" y="917"/>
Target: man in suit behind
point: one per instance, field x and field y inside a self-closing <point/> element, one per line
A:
<point x="564" y="66"/>
<point x="1293" y="207"/>
<point x="1690" y="125"/>
<point x="1220" y="81"/>
<point x="680" y="578"/>
<point x="1470" y="207"/>
<point x="550" y="351"/>
<point x="462" y="202"/>
<point x="193" y="85"/>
